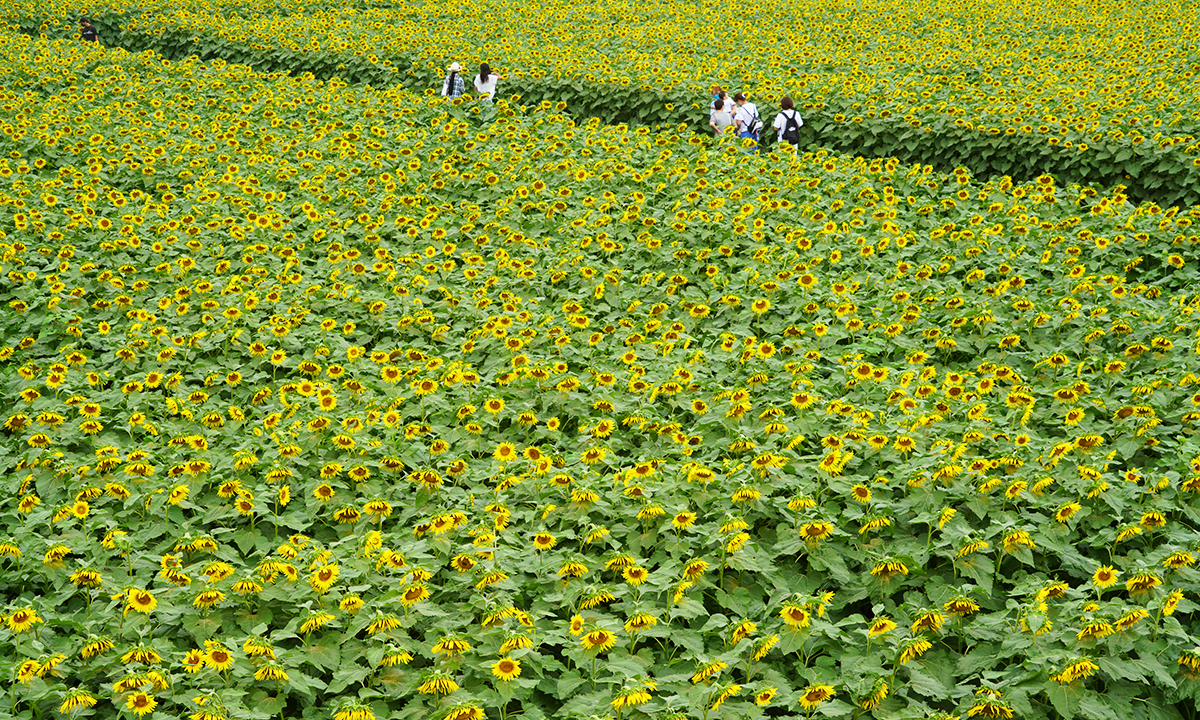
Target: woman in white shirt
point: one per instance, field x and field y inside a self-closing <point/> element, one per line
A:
<point x="788" y="123"/>
<point x="485" y="82"/>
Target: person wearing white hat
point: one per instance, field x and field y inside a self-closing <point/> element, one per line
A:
<point x="453" y="85"/>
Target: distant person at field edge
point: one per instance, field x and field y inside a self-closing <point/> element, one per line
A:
<point x="788" y="122"/>
<point x="485" y="82"/>
<point x="746" y="119"/>
<point x="719" y="118"/>
<point x="87" y="31"/>
<point x="452" y="86"/>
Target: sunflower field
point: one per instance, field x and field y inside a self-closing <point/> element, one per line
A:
<point x="1095" y="92"/>
<point x="326" y="400"/>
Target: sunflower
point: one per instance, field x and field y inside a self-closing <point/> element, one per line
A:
<point x="989" y="707"/>
<point x="1066" y="512"/>
<point x="256" y="647"/>
<point x="23" y="619"/>
<point x="247" y="587"/>
<point x="324" y="578"/>
<point x="795" y="616"/>
<point x="631" y="698"/>
<point x="961" y="606"/>
<point x="141" y="600"/>
<point x="599" y="640"/>
<point x="640" y="621"/>
<point x="1075" y="670"/>
<point x="271" y="671"/>
<point x="356" y="711"/>
<point x="383" y="623"/>
<point x="861" y="493"/>
<point x="208" y="599"/>
<point x="193" y="661"/>
<point x="914" y="648"/>
<point x="505" y="452"/>
<point x="887" y="569"/>
<point x="878" y="694"/>
<point x="814" y="695"/>
<point x="95" y="646"/>
<point x="635" y="575"/>
<point x="465" y="712"/>
<point x="1171" y="604"/>
<point x="816" y="532"/>
<point x="451" y="645"/>
<point x="506" y="669"/>
<point x="414" y="594"/>
<point x="141" y="703"/>
<point x="763" y="697"/>
<point x="76" y="699"/>
<point x="1105" y="577"/>
<point x="572" y="570"/>
<point x="437" y="684"/>
<point x="708" y="671"/>
<point x="219" y="657"/>
<point x="927" y="620"/>
<point x="141" y="654"/>
<point x="1142" y="582"/>
<point x="315" y="621"/>
<point x="683" y="519"/>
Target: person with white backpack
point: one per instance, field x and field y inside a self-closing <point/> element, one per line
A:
<point x="746" y="119"/>
<point x="788" y="123"/>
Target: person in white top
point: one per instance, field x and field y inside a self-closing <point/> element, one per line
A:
<point x="788" y="123"/>
<point x="485" y="82"/>
<point x="746" y="120"/>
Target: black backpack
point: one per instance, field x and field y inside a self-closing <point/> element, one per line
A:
<point x="791" y="131"/>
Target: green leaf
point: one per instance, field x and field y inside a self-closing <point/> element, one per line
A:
<point x="1065" y="699"/>
<point x="347" y="676"/>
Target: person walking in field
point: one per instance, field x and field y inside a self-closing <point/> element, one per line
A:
<point x="452" y="86"/>
<point x="746" y="119"/>
<point x="485" y="82"/>
<point x="87" y="32"/>
<point x="719" y="118"/>
<point x="788" y="123"/>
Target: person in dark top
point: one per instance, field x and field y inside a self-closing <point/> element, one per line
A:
<point x="87" y="31"/>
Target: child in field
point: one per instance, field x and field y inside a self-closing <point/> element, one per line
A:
<point x="719" y="118"/>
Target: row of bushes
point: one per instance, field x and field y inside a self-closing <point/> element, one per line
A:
<point x="1165" y="175"/>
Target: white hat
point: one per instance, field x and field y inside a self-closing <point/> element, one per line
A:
<point x="455" y="67"/>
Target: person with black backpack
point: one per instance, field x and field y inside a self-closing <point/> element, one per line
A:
<point x="788" y="122"/>
<point x="746" y="119"/>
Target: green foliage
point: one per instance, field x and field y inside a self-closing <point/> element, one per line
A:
<point x="355" y="402"/>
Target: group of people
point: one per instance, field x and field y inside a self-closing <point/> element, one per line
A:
<point x="740" y="117"/>
<point x="485" y="82"/>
